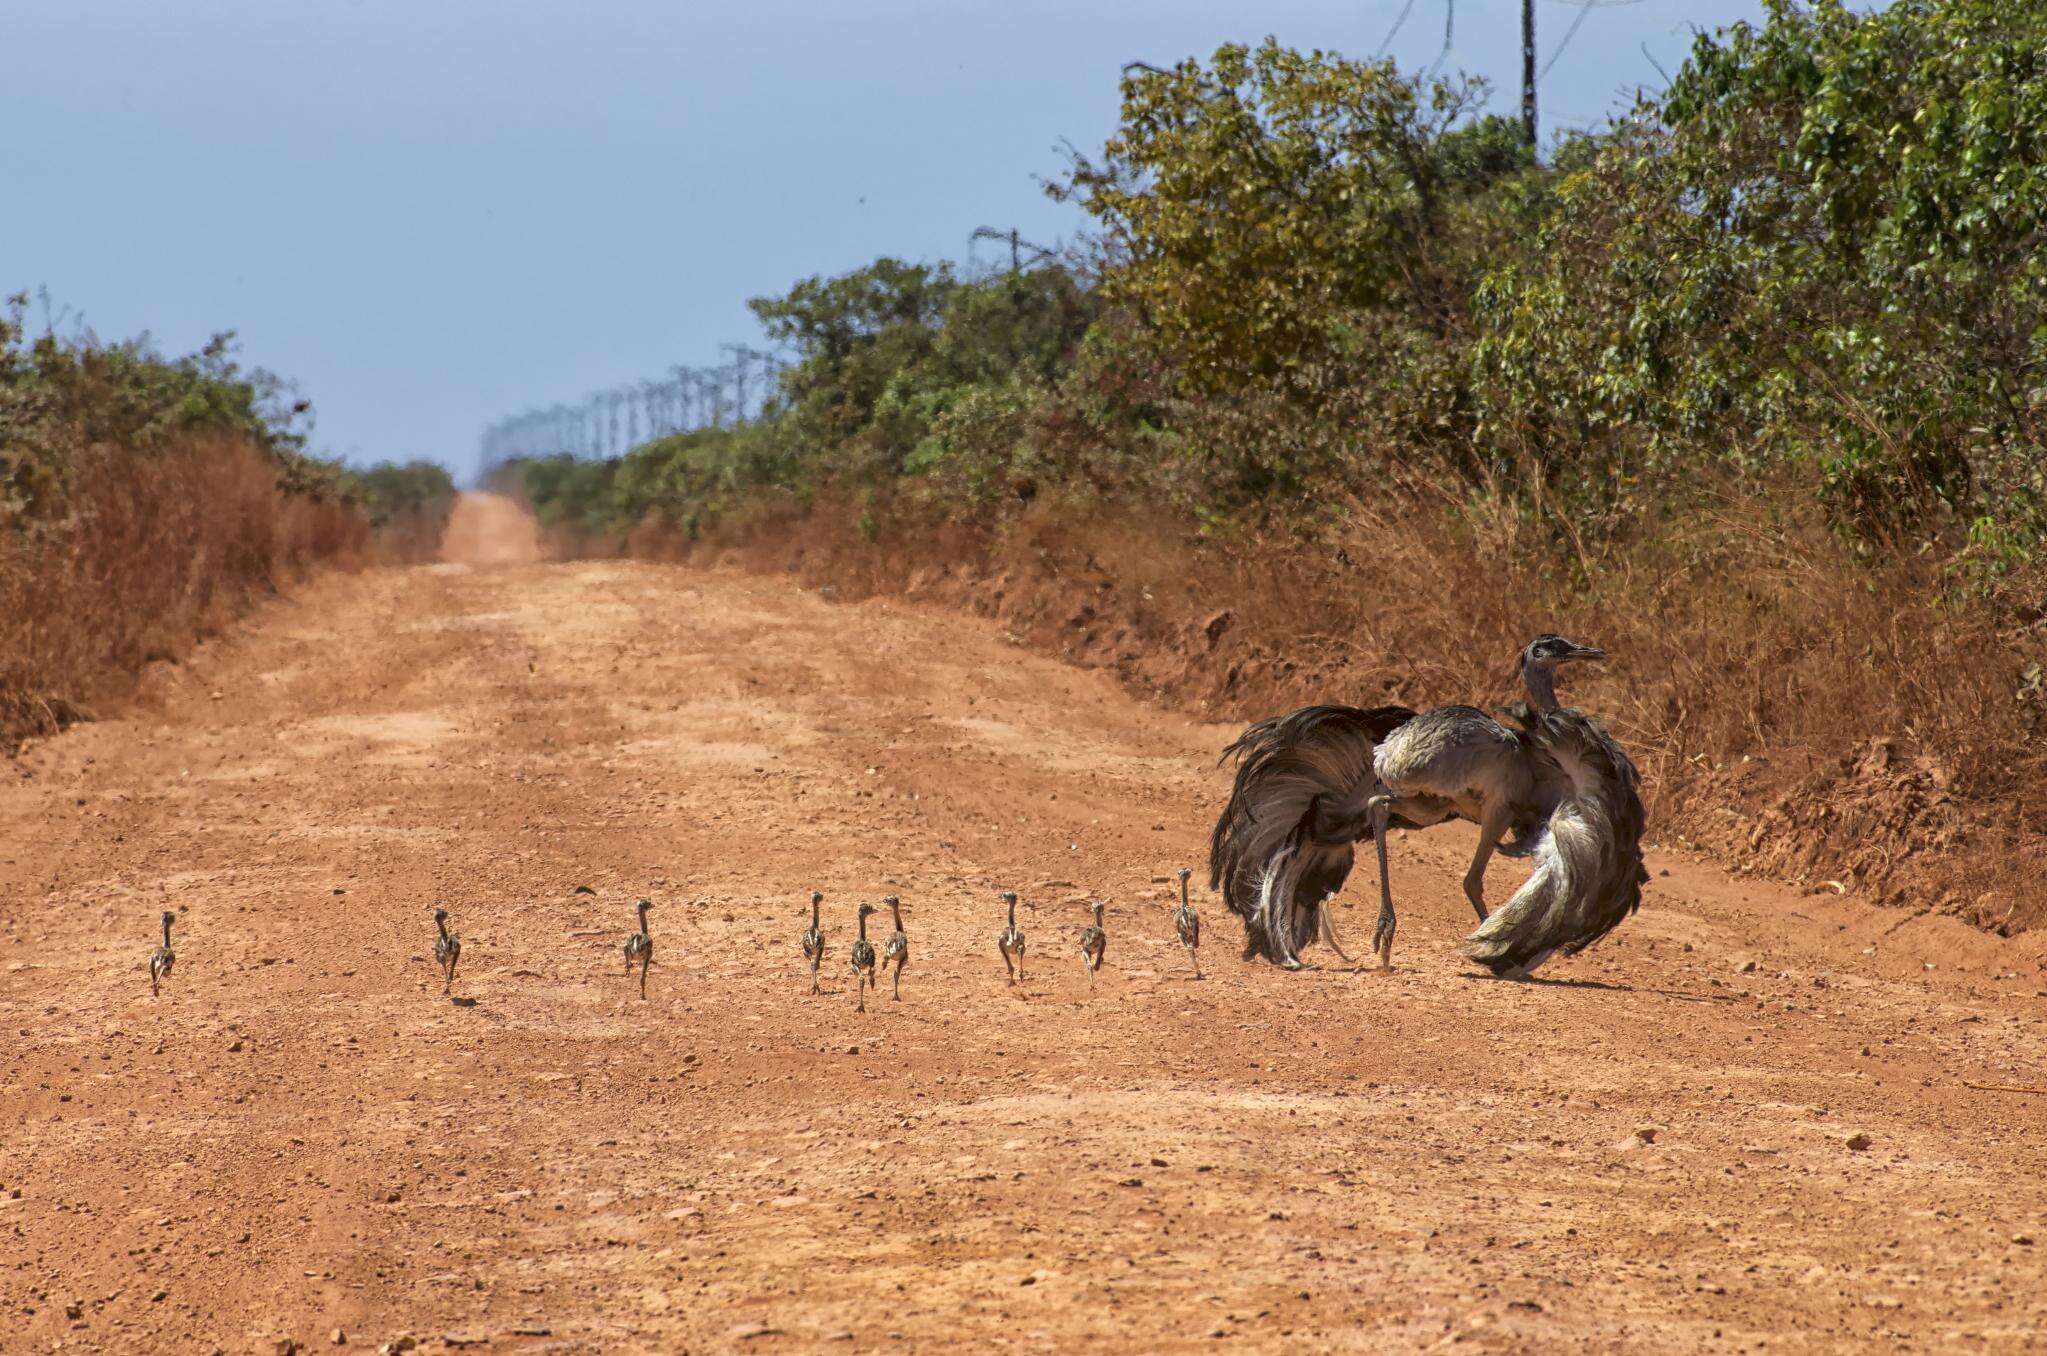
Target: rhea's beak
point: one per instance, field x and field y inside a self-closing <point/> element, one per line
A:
<point x="1586" y="651"/>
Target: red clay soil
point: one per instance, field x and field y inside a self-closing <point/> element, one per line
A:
<point x="1750" y="1118"/>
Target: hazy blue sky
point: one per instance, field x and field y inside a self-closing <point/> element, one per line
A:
<point x="434" y="212"/>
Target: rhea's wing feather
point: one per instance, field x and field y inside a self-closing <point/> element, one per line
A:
<point x="1283" y="765"/>
<point x="1621" y="785"/>
<point x="1589" y="873"/>
<point x="1296" y="806"/>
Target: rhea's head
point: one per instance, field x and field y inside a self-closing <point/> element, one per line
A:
<point x="1547" y="652"/>
<point x="440" y="915"/>
<point x="645" y="905"/>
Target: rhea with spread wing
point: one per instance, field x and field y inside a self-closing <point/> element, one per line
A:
<point x="1557" y="788"/>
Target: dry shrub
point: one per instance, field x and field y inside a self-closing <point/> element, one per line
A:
<point x="155" y="553"/>
<point x="1795" y="710"/>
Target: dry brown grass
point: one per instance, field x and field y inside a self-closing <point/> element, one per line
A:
<point x="410" y="538"/>
<point x="1795" y="711"/>
<point x="157" y="552"/>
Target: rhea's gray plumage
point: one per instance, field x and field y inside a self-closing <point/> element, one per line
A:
<point x="1284" y="843"/>
<point x="1187" y="923"/>
<point x="1558" y="788"/>
<point x="896" y="949"/>
<point x="1094" y="943"/>
<point x="162" y="958"/>
<point x="813" y="939"/>
<point x="863" y="958"/>
<point x="447" y="950"/>
<point x="1011" y="941"/>
<point x="639" y="947"/>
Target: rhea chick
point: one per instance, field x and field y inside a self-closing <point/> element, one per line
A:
<point x="813" y="939"/>
<point x="1187" y="923"/>
<point x="863" y="958"/>
<point x="640" y="947"/>
<point x="447" y="950"/>
<point x="1094" y="943"/>
<point x="163" y="958"/>
<point x="1011" y="941"/>
<point x="897" y="948"/>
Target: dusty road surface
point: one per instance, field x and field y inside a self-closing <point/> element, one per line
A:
<point x="1751" y="1119"/>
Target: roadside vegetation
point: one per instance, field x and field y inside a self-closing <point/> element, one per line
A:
<point x="145" y="499"/>
<point x="1747" y="387"/>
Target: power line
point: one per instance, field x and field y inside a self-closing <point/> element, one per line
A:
<point x="1394" y="31"/>
<point x="1577" y="21"/>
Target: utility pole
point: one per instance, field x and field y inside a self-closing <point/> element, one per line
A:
<point x="711" y="396"/>
<point x="1528" y="72"/>
<point x="685" y="398"/>
<point x="740" y="353"/>
<point x="1017" y="246"/>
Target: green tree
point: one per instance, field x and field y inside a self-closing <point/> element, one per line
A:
<point x="1261" y="209"/>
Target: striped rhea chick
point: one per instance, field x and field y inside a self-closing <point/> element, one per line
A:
<point x="1094" y="943"/>
<point x="896" y="949"/>
<point x="1011" y="941"/>
<point x="863" y="957"/>
<point x="1187" y="923"/>
<point x="813" y="939"/>
<point x="447" y="950"/>
<point x="162" y="958"/>
<point x="639" y="947"/>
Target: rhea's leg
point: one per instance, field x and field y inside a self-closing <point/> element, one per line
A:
<point x="1382" y="935"/>
<point x="1489" y="834"/>
<point x="1329" y="931"/>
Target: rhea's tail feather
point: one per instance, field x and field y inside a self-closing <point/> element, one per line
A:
<point x="1282" y="845"/>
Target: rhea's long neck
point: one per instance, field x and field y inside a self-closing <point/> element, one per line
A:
<point x="1540" y="681"/>
<point x="167" y="931"/>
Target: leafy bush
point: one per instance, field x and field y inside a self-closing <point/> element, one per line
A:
<point x="1818" y="253"/>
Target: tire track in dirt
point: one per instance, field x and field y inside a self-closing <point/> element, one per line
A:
<point x="303" y="1135"/>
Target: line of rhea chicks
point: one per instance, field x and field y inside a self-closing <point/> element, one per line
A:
<point x="866" y="961"/>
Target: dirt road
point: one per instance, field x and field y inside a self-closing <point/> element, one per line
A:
<point x="1657" y="1151"/>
